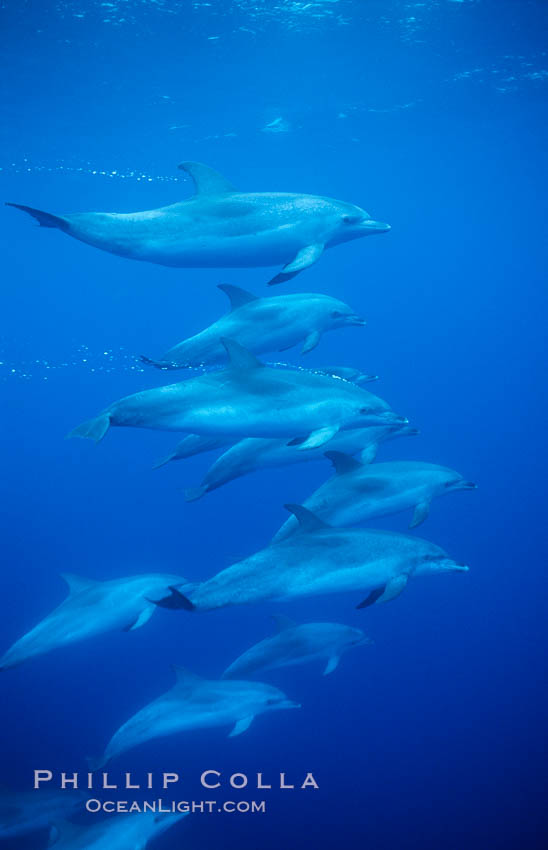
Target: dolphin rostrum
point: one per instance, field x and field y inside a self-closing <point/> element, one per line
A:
<point x="255" y="453"/>
<point x="92" y="608"/>
<point x="220" y="227"/>
<point x="26" y="811"/>
<point x="297" y="644"/>
<point x="130" y="831"/>
<point x="357" y="492"/>
<point x="248" y="399"/>
<point x="260" y="325"/>
<point x="318" y="560"/>
<point x="195" y="703"/>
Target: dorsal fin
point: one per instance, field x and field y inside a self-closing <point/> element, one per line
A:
<point x="77" y="584"/>
<point x="237" y="296"/>
<point x="239" y="357"/>
<point x="308" y="522"/>
<point x="186" y="677"/>
<point x="342" y="462"/>
<point x="207" y="181"/>
<point x="282" y="622"/>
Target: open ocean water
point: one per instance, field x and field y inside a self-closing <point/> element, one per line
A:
<point x="432" y="116"/>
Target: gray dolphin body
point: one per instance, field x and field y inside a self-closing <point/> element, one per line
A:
<point x="255" y="453"/>
<point x="92" y="608"/>
<point x="195" y="703"/>
<point x="120" y="832"/>
<point x="248" y="399"/>
<point x="220" y="227"/>
<point x="27" y="811"/>
<point x="260" y="325"/>
<point x="357" y="493"/>
<point x="297" y="644"/>
<point x="318" y="560"/>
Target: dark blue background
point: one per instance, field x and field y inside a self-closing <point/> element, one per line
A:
<point x="434" y="737"/>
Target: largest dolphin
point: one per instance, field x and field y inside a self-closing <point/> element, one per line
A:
<point x="319" y="560"/>
<point x="221" y="227"/>
<point x="248" y="399"/>
<point x="121" y="832"/>
<point x="261" y="324"/>
<point x="195" y="703"/>
<point x="91" y="608"/>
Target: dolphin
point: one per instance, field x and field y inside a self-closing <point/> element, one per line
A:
<point x="193" y="444"/>
<point x="255" y="453"/>
<point x="221" y="227"/>
<point x="297" y="644"/>
<point x="319" y="560"/>
<point x="195" y="703"/>
<point x="248" y="399"/>
<point x="28" y="811"/>
<point x="92" y="608"/>
<point x="121" y="832"/>
<point x="357" y="492"/>
<point x="260" y="325"/>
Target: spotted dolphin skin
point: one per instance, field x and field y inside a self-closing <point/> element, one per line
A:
<point x="319" y="560"/>
<point x="358" y="493"/>
<point x="195" y="703"/>
<point x="220" y="227"/>
<point x="248" y="399"/>
<point x="256" y="453"/>
<point x="260" y="325"/>
<point x="92" y="608"/>
<point x="119" y="832"/>
<point x="297" y="644"/>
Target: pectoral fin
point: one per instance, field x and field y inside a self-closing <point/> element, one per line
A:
<point x="421" y="513"/>
<point x="242" y="725"/>
<point x="319" y="437"/>
<point x="332" y="664"/>
<point x="385" y="593"/>
<point x="311" y="342"/>
<point x="369" y="454"/>
<point x="305" y="258"/>
<point x="394" y="588"/>
<point x="143" y="618"/>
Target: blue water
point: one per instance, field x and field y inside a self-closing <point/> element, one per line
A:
<point x="430" y="115"/>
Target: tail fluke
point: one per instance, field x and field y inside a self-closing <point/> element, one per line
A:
<point x="95" y="429"/>
<point x="44" y="219"/>
<point x="194" y="493"/>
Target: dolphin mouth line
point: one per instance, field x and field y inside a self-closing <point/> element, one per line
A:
<point x="375" y="226"/>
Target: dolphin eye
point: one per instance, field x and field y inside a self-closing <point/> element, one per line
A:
<point x="351" y="219"/>
<point x="364" y="411"/>
<point x="271" y="701"/>
<point x="336" y="314"/>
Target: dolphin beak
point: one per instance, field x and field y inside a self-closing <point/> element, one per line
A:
<point x="469" y="485"/>
<point x="356" y="320"/>
<point x="375" y="226"/>
<point x="461" y="568"/>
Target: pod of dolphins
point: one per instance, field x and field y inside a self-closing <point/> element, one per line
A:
<point x="260" y="415"/>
